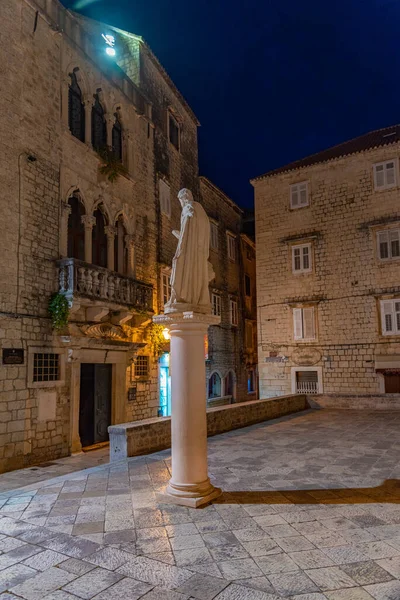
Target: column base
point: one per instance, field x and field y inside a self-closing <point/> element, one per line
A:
<point x="191" y="502"/>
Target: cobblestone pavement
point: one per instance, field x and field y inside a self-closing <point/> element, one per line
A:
<point x="310" y="511"/>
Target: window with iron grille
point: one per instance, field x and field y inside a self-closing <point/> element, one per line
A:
<point x="117" y="139"/>
<point x="76" y="109"/>
<point x="99" y="127"/>
<point x="142" y="366"/>
<point x="46" y="367"/>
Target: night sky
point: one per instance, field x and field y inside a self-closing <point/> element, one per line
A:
<point x="270" y="81"/>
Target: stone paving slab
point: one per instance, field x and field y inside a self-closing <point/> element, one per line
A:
<point x="310" y="511"/>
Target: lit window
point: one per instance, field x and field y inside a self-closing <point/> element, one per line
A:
<point x="213" y="235"/>
<point x="216" y="304"/>
<point x="142" y="367"/>
<point x="390" y="316"/>
<point x="214" y="386"/>
<point x="165" y="197"/>
<point x="173" y="131"/>
<point x="231" y="241"/>
<point x="46" y="367"/>
<point x="385" y="175"/>
<point x="234" y="312"/>
<point x="388" y="244"/>
<point x="304" y="323"/>
<point x="251" y="381"/>
<point x="165" y="286"/>
<point x="299" y="195"/>
<point x="301" y="258"/>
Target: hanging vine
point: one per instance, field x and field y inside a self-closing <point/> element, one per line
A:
<point x="59" y="311"/>
<point x="110" y="165"/>
<point x="156" y="338"/>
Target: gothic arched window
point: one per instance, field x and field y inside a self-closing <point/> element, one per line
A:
<point x="76" y="109"/>
<point x="99" y="127"/>
<point x="117" y="139"/>
<point x="214" y="386"/>
<point x="230" y="380"/>
<point x="120" y="249"/>
<point x="99" y="239"/>
<point x="76" y="229"/>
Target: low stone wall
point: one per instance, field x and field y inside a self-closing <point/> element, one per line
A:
<point x="357" y="402"/>
<point x="152" y="435"/>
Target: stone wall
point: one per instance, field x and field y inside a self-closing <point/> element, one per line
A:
<point x="355" y="402"/>
<point x="152" y="435"/>
<point x="346" y="281"/>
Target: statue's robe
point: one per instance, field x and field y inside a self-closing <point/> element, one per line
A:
<point x="190" y="267"/>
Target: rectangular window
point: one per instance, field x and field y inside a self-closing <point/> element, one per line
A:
<point x="385" y="175"/>
<point x="165" y="286"/>
<point x="142" y="367"/>
<point x="165" y="197"/>
<point x="173" y="131"/>
<point x="247" y="285"/>
<point x="304" y="323"/>
<point x="301" y="258"/>
<point x="388" y="242"/>
<point x="390" y="317"/>
<point x="213" y="235"/>
<point x="307" y="382"/>
<point x="251" y="381"/>
<point x="216" y="304"/>
<point x="234" y="312"/>
<point x="249" y="335"/>
<point x="231" y="241"/>
<point x="299" y="195"/>
<point x="46" y="367"/>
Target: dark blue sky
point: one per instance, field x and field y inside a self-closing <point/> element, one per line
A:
<point x="271" y="81"/>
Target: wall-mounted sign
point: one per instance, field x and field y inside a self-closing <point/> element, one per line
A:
<point x="132" y="393"/>
<point x="306" y="357"/>
<point x="275" y="359"/>
<point x="13" y="356"/>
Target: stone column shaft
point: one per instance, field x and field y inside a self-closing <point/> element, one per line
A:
<point x="89" y="221"/>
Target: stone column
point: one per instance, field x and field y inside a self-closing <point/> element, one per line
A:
<point x="189" y="484"/>
<point x="110" y="232"/>
<point x="130" y="245"/>
<point x="89" y="221"/>
<point x="88" y="102"/>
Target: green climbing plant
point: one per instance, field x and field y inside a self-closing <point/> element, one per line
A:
<point x="110" y="165"/>
<point x="59" y="311"/>
<point x="156" y="338"/>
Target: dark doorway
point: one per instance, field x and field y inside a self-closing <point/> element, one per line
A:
<point x="392" y="383"/>
<point x="95" y="403"/>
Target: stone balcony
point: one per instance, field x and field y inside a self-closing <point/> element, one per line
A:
<point x="101" y="290"/>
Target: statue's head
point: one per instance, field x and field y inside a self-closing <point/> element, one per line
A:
<point x="185" y="196"/>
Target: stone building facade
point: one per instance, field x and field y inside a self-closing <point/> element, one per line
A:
<point x="231" y="353"/>
<point x="328" y="271"/>
<point x="76" y="231"/>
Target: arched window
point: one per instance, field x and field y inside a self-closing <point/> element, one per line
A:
<point x="99" y="239"/>
<point x="117" y="138"/>
<point x="76" y="229"/>
<point x="99" y="127"/>
<point x="120" y="250"/>
<point x="76" y="109"/>
<point x="230" y="381"/>
<point x="214" y="386"/>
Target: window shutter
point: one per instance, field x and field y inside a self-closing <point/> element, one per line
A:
<point x="165" y="198"/>
<point x="383" y="244"/>
<point x="395" y="243"/>
<point x="308" y="323"/>
<point x="306" y="258"/>
<point x="379" y="176"/>
<point x="294" y="200"/>
<point x="296" y="259"/>
<point x="387" y="316"/>
<point x="303" y="195"/>
<point x="297" y="323"/>
<point x="390" y="174"/>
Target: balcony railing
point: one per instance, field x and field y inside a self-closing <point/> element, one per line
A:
<point x="77" y="278"/>
<point x="307" y="387"/>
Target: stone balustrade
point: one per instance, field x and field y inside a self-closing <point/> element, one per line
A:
<point x="77" y="278"/>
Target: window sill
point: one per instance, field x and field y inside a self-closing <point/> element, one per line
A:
<point x="297" y="273"/>
<point x="385" y="188"/>
<point x="293" y="208"/>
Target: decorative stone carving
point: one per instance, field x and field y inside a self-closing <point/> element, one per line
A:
<point x="105" y="330"/>
<point x="306" y="356"/>
<point x="88" y="221"/>
<point x="191" y="269"/>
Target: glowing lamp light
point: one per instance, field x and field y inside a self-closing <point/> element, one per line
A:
<point x="110" y="51"/>
<point x="166" y="333"/>
<point x="110" y="42"/>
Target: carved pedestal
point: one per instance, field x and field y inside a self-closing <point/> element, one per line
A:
<point x="189" y="484"/>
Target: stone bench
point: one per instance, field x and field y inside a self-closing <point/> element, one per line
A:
<point x="152" y="435"/>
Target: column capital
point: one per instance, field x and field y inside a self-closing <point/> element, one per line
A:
<point x="129" y="241"/>
<point x="66" y="208"/>
<point x="110" y="231"/>
<point x="88" y="221"/>
<point x="88" y="101"/>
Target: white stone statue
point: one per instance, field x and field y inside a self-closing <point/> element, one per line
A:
<point x="191" y="269"/>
